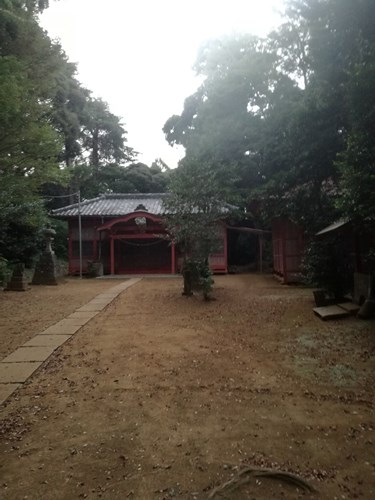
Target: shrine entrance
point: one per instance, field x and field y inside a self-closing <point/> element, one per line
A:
<point x="138" y="245"/>
<point x="142" y="256"/>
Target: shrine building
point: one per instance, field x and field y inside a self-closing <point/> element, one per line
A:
<point x="125" y="232"/>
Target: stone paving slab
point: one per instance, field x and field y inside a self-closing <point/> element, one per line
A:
<point x="7" y="390"/>
<point x="101" y="302"/>
<point x="350" y="307"/>
<point x="330" y="312"/>
<point x="61" y="328"/>
<point x="69" y="322"/>
<point x="92" y="307"/>
<point x="107" y="295"/>
<point x="126" y="284"/>
<point x="16" y="368"/>
<point x="87" y="315"/>
<point x="47" y="340"/>
<point x="17" y="372"/>
<point x="40" y="353"/>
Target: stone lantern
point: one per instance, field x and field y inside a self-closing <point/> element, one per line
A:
<point x="45" y="270"/>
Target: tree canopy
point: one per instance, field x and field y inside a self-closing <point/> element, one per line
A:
<point x="291" y="116"/>
<point x="195" y="208"/>
<point x="55" y="137"/>
<point x="285" y="122"/>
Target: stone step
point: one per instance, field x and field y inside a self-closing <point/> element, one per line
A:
<point x="330" y="312"/>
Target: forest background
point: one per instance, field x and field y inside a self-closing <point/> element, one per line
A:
<point x="285" y="125"/>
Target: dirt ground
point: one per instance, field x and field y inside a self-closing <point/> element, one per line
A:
<point x="23" y="314"/>
<point x="162" y="396"/>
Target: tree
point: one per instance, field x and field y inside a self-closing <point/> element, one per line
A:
<point x="195" y="207"/>
<point x="53" y="134"/>
<point x="104" y="137"/>
<point x="29" y="144"/>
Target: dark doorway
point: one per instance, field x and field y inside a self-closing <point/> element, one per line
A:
<point x="139" y="256"/>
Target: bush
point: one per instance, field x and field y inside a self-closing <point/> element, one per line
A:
<point x="5" y="272"/>
<point x="197" y="277"/>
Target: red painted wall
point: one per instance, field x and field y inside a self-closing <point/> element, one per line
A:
<point x="288" y="247"/>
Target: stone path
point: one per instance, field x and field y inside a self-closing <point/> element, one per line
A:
<point x="16" y="368"/>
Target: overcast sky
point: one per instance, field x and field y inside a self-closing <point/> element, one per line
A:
<point x="138" y="54"/>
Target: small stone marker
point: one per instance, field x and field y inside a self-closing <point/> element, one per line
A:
<point x="18" y="282"/>
<point x="330" y="312"/>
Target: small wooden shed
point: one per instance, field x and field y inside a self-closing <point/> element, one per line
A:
<point x="355" y="244"/>
<point x="288" y="244"/>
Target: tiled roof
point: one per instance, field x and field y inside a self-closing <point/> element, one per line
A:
<point x="115" y="205"/>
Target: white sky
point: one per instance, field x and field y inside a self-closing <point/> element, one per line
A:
<point x="138" y="54"/>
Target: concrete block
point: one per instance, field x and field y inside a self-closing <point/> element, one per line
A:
<point x="26" y="354"/>
<point x="47" y="340"/>
<point x="61" y="328"/>
<point x="82" y="315"/>
<point x="7" y="390"/>
<point x="350" y="307"/>
<point x="17" y="373"/>
<point x="107" y="296"/>
<point x="330" y="312"/>
<point x="92" y="307"/>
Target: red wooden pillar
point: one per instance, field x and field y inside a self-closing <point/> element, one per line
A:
<point x="173" y="259"/>
<point x="95" y="246"/>
<point x="112" y="255"/>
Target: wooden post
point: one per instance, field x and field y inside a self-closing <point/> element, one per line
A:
<point x="284" y="261"/>
<point x="261" y="253"/>
<point x="95" y="247"/>
<point x="173" y="258"/>
<point x="226" y="248"/>
<point x="70" y="248"/>
<point x="112" y="255"/>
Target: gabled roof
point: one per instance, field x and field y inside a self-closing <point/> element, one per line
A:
<point x="115" y="205"/>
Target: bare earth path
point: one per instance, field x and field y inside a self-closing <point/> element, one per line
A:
<point x="163" y="397"/>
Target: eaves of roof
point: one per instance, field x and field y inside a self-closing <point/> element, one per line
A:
<point x="114" y="205"/>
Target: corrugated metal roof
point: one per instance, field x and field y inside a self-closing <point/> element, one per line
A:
<point x="115" y="205"/>
<point x="333" y="227"/>
<point x="249" y="230"/>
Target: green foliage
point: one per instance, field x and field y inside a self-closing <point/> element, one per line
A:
<point x="4" y="271"/>
<point x="133" y="178"/>
<point x="197" y="277"/>
<point x="52" y="131"/>
<point x="291" y="118"/>
<point x="195" y="208"/>
<point x="19" y="233"/>
<point x="104" y="136"/>
<point x="59" y="245"/>
<point x="357" y="164"/>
